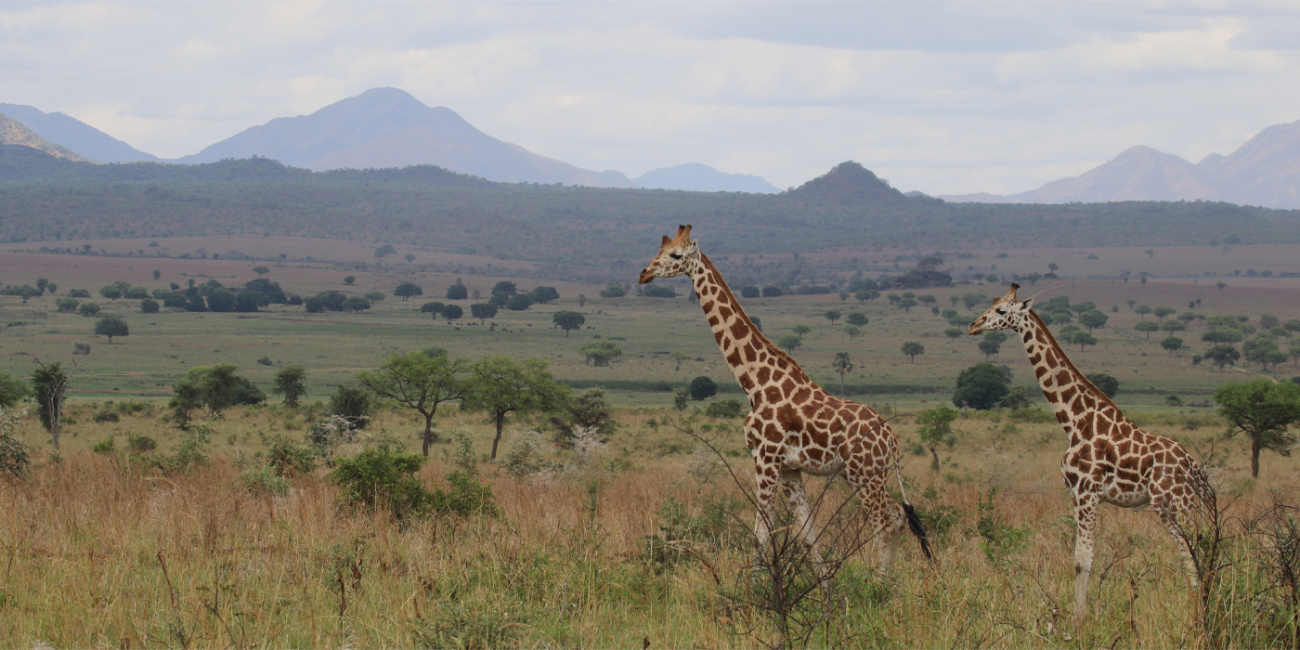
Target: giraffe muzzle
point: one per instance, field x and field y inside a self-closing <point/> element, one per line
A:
<point x="646" y="276"/>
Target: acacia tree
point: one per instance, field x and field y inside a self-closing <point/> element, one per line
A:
<point x="501" y="386"/>
<point x="406" y="290"/>
<point x="936" y="429"/>
<point x="291" y="382"/>
<point x="483" y="311"/>
<point x="111" y="326"/>
<point x="418" y="381"/>
<point x="842" y="366"/>
<point x="1262" y="409"/>
<point x="570" y="320"/>
<point x="911" y="349"/>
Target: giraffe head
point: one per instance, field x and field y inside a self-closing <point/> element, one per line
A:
<point x="674" y="258"/>
<point x="1006" y="313"/>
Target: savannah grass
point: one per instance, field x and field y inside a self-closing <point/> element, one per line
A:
<point x="97" y="551"/>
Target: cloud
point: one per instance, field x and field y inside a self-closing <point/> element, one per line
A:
<point x="944" y="97"/>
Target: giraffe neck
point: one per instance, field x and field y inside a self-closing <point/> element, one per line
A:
<point x="755" y="361"/>
<point x="1064" y="385"/>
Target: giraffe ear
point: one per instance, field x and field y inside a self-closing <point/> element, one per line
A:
<point x="666" y="240"/>
<point x="1026" y="305"/>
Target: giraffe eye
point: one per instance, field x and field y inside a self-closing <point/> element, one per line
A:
<point x="676" y="256"/>
<point x="1002" y="311"/>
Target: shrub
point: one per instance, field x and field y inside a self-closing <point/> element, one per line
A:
<point x="702" y="388"/>
<point x="383" y="477"/>
<point x="724" y="408"/>
<point x="288" y="459"/>
<point x="351" y="402"/>
<point x="105" y="416"/>
<point x="14" y="460"/>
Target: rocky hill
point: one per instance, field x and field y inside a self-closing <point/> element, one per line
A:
<point x="13" y="132"/>
<point x="75" y="135"/>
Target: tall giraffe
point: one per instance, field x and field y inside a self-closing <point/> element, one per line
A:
<point x="793" y="426"/>
<point x="1110" y="459"/>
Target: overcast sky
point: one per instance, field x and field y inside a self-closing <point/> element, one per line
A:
<point x="938" y="97"/>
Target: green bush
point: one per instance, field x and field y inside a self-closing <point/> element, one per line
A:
<point x="378" y="477"/>
<point x="14" y="460"/>
<point x="724" y="408"/>
<point x="288" y="459"/>
<point x="105" y="416"/>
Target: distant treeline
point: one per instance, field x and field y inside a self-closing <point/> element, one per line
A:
<point x="45" y="199"/>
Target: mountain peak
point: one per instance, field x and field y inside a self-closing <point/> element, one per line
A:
<point x="847" y="182"/>
<point x="388" y="127"/>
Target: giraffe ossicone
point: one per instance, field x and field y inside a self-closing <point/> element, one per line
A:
<point x="1110" y="459"/>
<point x="794" y="427"/>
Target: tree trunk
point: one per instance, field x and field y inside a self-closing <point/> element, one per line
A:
<point x="934" y="465"/>
<point x="842" y="393"/>
<point x="501" y="421"/>
<point x="1254" y="458"/>
<point x="428" y="430"/>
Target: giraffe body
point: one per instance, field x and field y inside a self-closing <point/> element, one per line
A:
<point x="794" y="427"/>
<point x="1110" y="459"/>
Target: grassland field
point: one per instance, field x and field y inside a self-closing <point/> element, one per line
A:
<point x="101" y="552"/>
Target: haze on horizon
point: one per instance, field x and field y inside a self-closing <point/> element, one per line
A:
<point x="941" y="97"/>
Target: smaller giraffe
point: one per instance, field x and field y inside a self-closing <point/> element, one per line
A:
<point x="794" y="426"/>
<point x="1110" y="459"/>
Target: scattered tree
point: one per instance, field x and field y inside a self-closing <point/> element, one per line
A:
<point x="501" y="386"/>
<point x="857" y="318"/>
<point x="50" y="385"/>
<point x="420" y="382"/>
<point x="842" y="366"/>
<point x="406" y="290"/>
<point x="432" y="308"/>
<point x="702" y="388"/>
<point x="911" y="349"/>
<point x="852" y="330"/>
<point x="111" y="326"/>
<point x="832" y="315"/>
<point x="349" y="280"/>
<point x="789" y="342"/>
<point x="1142" y="310"/>
<point x="982" y="386"/>
<point x="600" y="353"/>
<point x="291" y="382"/>
<point x="570" y="320"/>
<point x="215" y="388"/>
<point x="678" y="356"/>
<point x="482" y="311"/>
<point x="1105" y="383"/>
<point x="88" y="309"/>
<point x="457" y="291"/>
<point x="260" y="270"/>
<point x="936" y="429"/>
<point x="1172" y="343"/>
<point x="801" y="330"/>
<point x="1093" y="318"/>
<point x="1223" y="355"/>
<point x="1262" y="409"/>
<point x="613" y="290"/>
<point x="1148" y="327"/>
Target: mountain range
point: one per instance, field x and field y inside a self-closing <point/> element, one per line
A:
<point x="382" y="128"/>
<point x="1265" y="171"/>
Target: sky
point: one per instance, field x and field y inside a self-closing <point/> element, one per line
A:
<point x="940" y="97"/>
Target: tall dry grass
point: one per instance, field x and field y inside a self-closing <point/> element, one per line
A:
<point x="99" y="552"/>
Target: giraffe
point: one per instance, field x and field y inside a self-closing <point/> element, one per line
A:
<point x="794" y="426"/>
<point x="1110" y="459"/>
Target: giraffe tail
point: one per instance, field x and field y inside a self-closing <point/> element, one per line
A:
<point x="918" y="529"/>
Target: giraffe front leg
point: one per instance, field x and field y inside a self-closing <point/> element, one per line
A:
<point x="792" y="485"/>
<point x="1085" y="521"/>
<point x="764" y="489"/>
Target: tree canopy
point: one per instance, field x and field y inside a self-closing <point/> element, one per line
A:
<point x="418" y="381"/>
<point x="1262" y="409"/>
